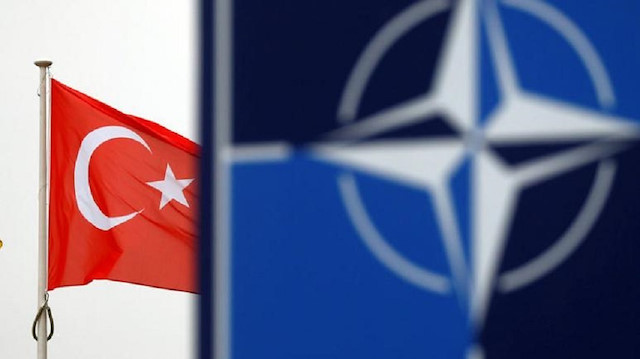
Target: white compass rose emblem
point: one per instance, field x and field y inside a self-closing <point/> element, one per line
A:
<point x="520" y="117"/>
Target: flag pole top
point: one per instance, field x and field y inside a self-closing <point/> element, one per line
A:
<point x="43" y="63"/>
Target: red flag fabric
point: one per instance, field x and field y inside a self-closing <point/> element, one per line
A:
<point x="123" y="201"/>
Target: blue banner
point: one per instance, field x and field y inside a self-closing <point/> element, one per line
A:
<point x="429" y="179"/>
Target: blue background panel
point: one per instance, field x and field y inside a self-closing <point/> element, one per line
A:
<point x="305" y="286"/>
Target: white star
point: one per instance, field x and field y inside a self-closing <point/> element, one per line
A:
<point x="520" y="118"/>
<point x="171" y="188"/>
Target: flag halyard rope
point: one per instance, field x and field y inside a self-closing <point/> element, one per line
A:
<point x="46" y="310"/>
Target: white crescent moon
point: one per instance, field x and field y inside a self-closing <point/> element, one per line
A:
<point x="86" y="204"/>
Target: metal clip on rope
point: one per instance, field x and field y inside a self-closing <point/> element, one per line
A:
<point x="45" y="307"/>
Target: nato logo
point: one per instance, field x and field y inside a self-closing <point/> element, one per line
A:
<point x="440" y="179"/>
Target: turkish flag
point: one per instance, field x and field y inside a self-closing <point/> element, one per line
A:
<point x="123" y="197"/>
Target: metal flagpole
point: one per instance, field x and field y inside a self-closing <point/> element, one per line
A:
<point x="42" y="231"/>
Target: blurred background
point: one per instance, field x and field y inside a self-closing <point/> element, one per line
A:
<point x="428" y="179"/>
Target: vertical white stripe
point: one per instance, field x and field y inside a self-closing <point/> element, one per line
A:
<point x="221" y="130"/>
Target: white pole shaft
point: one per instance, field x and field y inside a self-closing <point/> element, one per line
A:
<point x="42" y="216"/>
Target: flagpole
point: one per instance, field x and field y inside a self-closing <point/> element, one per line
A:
<point x="42" y="228"/>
